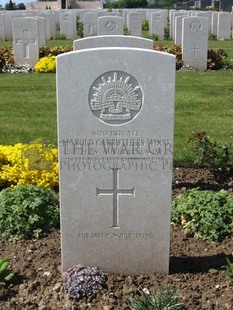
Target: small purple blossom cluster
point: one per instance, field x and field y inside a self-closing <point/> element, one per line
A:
<point x="82" y="281"/>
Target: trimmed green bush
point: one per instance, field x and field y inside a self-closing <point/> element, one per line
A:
<point x="206" y="214"/>
<point x="27" y="212"/>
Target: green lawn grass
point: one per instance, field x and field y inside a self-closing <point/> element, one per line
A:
<point x="203" y="103"/>
<point x="28" y="107"/>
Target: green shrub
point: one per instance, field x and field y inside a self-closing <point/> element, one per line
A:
<point x="166" y="33"/>
<point x="5" y="273"/>
<point x="126" y="31"/>
<point x="6" y="57"/>
<point x="206" y="214"/>
<point x="227" y="64"/>
<point x="212" y="37"/>
<point x="211" y="153"/>
<point x="166" y="299"/>
<point x="145" y="25"/>
<point x="215" y="59"/>
<point x="48" y="51"/>
<point x="79" y="28"/>
<point x="27" y="212"/>
<point x="175" y="50"/>
<point x="2" y="62"/>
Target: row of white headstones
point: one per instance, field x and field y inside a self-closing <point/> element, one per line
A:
<point x="219" y="23"/>
<point x="29" y="33"/>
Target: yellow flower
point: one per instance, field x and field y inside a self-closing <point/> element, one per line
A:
<point x="24" y="164"/>
<point x="46" y="64"/>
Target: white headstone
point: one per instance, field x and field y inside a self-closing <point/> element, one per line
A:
<point x="157" y="24"/>
<point x="68" y="27"/>
<point x="42" y="30"/>
<point x="112" y="41"/>
<point x="110" y="25"/>
<point x="90" y="24"/>
<point x="8" y="26"/>
<point x="195" y="42"/>
<point x="174" y="15"/>
<point x="143" y="13"/>
<point x="115" y="146"/>
<point x="171" y="13"/>
<point x="26" y="40"/>
<point x="52" y="25"/>
<point x="2" y="27"/>
<point x="224" y="26"/>
<point x="207" y="15"/>
<point x="178" y="30"/>
<point x="214" y="23"/>
<point x="134" y="24"/>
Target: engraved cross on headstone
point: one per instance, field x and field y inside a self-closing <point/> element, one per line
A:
<point x="91" y="28"/>
<point x="115" y="192"/>
<point x="25" y="41"/>
<point x="195" y="49"/>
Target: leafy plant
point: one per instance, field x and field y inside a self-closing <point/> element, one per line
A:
<point x="27" y="212"/>
<point x="228" y="270"/>
<point x="212" y="37"/>
<point x="215" y="59"/>
<point x="175" y="50"/>
<point x="145" y="25"/>
<point x="227" y="64"/>
<point x="211" y="153"/>
<point x="48" y="51"/>
<point x="6" y="57"/>
<point x="2" y="62"/>
<point x="5" y="273"/>
<point x="79" y="28"/>
<point x="166" y="33"/>
<point x="206" y="214"/>
<point x="166" y="299"/>
<point x="126" y="31"/>
<point x="82" y="281"/>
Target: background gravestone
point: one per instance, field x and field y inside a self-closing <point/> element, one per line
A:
<point x="178" y="30"/>
<point x="68" y="26"/>
<point x="115" y="123"/>
<point x="26" y="40"/>
<point x="224" y="26"/>
<point x="90" y="24"/>
<point x="112" y="41"/>
<point x="157" y="24"/>
<point x="195" y="42"/>
<point x="2" y="27"/>
<point x="134" y="24"/>
<point x="110" y="25"/>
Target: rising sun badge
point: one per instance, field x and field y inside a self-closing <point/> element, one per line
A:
<point x="115" y="97"/>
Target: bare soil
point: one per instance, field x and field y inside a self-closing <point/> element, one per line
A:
<point x="195" y="267"/>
